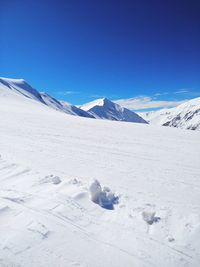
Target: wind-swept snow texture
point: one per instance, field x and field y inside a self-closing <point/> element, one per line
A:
<point x="106" y="109"/>
<point x="185" y="116"/>
<point x="54" y="170"/>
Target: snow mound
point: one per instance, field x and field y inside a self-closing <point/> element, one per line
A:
<point x="52" y="179"/>
<point x="149" y="217"/>
<point x="103" y="197"/>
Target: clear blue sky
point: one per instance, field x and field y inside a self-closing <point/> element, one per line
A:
<point x="79" y="50"/>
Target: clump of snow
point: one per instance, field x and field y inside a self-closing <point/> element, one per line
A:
<point x="51" y="179"/>
<point x="95" y="191"/>
<point x="75" y="181"/>
<point x="171" y="239"/>
<point x="149" y="217"/>
<point x="56" y="180"/>
<point x="103" y="197"/>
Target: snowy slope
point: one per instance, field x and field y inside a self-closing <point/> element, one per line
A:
<point x="22" y="88"/>
<point x="53" y="213"/>
<point x="77" y="111"/>
<point x="184" y="116"/>
<point x="106" y="109"/>
<point x="64" y="106"/>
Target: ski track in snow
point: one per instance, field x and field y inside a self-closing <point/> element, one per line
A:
<point x="38" y="213"/>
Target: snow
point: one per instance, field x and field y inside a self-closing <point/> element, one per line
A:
<point x="52" y="164"/>
<point x="22" y="88"/>
<point x="106" y="109"/>
<point x="64" y="106"/>
<point x="97" y="102"/>
<point x="184" y="116"/>
<point x="105" y="198"/>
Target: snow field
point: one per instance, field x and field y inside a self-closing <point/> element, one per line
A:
<point x="57" y="171"/>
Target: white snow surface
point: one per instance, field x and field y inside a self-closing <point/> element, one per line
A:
<point x="55" y="171"/>
<point x="106" y="109"/>
<point x="184" y="116"/>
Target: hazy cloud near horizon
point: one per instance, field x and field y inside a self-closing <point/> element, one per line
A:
<point x="69" y="92"/>
<point x="147" y="102"/>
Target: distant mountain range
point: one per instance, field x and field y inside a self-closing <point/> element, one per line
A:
<point x="98" y="109"/>
<point x="184" y="116"/>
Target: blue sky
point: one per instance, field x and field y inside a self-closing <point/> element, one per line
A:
<point x="79" y="50"/>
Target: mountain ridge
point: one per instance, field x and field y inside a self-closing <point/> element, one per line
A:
<point x="103" y="108"/>
<point x="184" y="116"/>
<point x="21" y="87"/>
<point x="108" y="110"/>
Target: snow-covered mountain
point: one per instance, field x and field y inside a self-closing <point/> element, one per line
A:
<point x="106" y="109"/>
<point x="64" y="106"/>
<point x="85" y="192"/>
<point x="99" y="109"/>
<point x="21" y="87"/>
<point x="184" y="116"/>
